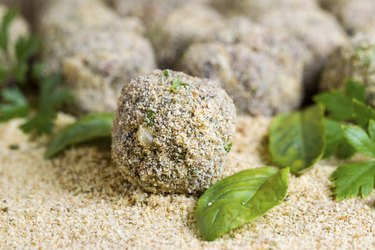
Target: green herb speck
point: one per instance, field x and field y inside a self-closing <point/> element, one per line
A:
<point x="228" y="146"/>
<point x="166" y="73"/>
<point x="150" y="117"/>
<point x="176" y="84"/>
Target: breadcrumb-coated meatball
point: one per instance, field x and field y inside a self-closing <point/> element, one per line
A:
<point x="258" y="83"/>
<point x="257" y="8"/>
<point x="352" y="62"/>
<point x="172" y="132"/>
<point x="18" y="28"/>
<point x="317" y="30"/>
<point x="182" y="27"/>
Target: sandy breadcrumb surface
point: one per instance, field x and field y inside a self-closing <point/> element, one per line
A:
<point x="80" y="201"/>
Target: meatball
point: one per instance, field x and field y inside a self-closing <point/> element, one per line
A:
<point x="257" y="8"/>
<point x="353" y="14"/>
<point x="172" y="132"/>
<point x="18" y="28"/>
<point x="316" y="30"/>
<point x="182" y="27"/>
<point x="259" y="83"/>
<point x="96" y="50"/>
<point x="352" y="62"/>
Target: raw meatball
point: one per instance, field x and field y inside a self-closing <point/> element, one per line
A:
<point x="99" y="65"/>
<point x="259" y="83"/>
<point x="96" y="50"/>
<point x="257" y="8"/>
<point x="316" y="30"/>
<point x="151" y="12"/>
<point x="17" y="29"/>
<point x="356" y="62"/>
<point x="353" y="14"/>
<point x="172" y="132"/>
<point x="186" y="25"/>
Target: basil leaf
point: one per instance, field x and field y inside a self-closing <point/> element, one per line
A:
<point x="353" y="180"/>
<point x="359" y="139"/>
<point x="355" y="90"/>
<point x="362" y="113"/>
<point x="337" y="104"/>
<point x="297" y="139"/>
<point x="240" y="198"/>
<point x="85" y="129"/>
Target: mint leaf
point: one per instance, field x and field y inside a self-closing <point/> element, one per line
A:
<point x="15" y="105"/>
<point x="51" y="98"/>
<point x="354" y="180"/>
<point x="85" y="129"/>
<point x="297" y="139"/>
<point x="240" y="198"/>
<point x="359" y="139"/>
<point x="362" y="113"/>
<point x="338" y="105"/>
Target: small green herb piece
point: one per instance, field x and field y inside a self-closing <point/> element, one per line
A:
<point x="176" y="84"/>
<point x="9" y="16"/>
<point x="166" y="73"/>
<point x="15" y="105"/>
<point x="228" y="146"/>
<point x="240" y="198"/>
<point x="354" y="180"/>
<point x="360" y="140"/>
<point x="85" y="129"/>
<point x="51" y="98"/>
<point x="297" y="139"/>
<point x="150" y="117"/>
<point x="362" y="113"/>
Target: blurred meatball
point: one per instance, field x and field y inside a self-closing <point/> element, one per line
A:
<point x="258" y="82"/>
<point x="352" y="62"/>
<point x="318" y="31"/>
<point x="18" y="28"/>
<point x="96" y="50"/>
<point x="258" y="8"/>
<point x="172" y="132"/>
<point x="354" y="15"/>
<point x="184" y="26"/>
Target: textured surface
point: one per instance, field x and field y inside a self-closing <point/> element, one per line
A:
<point x="79" y="201"/>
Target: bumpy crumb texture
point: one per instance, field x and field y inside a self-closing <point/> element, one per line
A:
<point x="79" y="201"/>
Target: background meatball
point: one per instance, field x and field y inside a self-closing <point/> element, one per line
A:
<point x="18" y="28"/>
<point x="172" y="131"/>
<point x="354" y="61"/>
<point x="96" y="50"/>
<point x="184" y="26"/>
<point x="258" y="84"/>
<point x="318" y="31"/>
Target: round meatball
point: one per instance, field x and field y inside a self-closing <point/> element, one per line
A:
<point x="18" y="28"/>
<point x="259" y="83"/>
<point x="352" y="62"/>
<point x="318" y="31"/>
<point x="172" y="132"/>
<point x="182" y="27"/>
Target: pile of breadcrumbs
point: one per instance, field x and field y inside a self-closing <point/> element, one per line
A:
<point x="79" y="200"/>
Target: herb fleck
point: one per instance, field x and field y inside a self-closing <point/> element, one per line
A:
<point x="166" y="73"/>
<point x="228" y="146"/>
<point x="176" y="84"/>
<point x="150" y="117"/>
<point x="14" y="147"/>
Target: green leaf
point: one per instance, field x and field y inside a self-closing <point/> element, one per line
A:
<point x="9" y="16"/>
<point x="371" y="129"/>
<point x="240" y="198"/>
<point x="345" y="150"/>
<point x="355" y="90"/>
<point x="362" y="113"/>
<point x="334" y="136"/>
<point x="15" y="105"/>
<point x="85" y="129"/>
<point x="337" y="104"/>
<point x="297" y="139"/>
<point x="51" y="98"/>
<point x="354" y="180"/>
<point x="359" y="139"/>
<point x="26" y="47"/>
